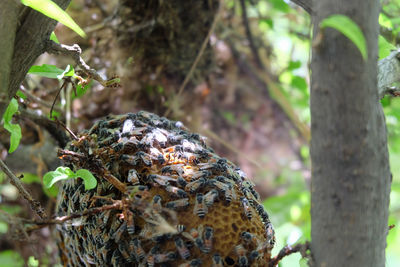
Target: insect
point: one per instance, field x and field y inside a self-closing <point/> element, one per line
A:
<point x="124" y="253"/>
<point x="181" y="181"/>
<point x="133" y="177"/>
<point x="176" y="204"/>
<point x="110" y="140"/>
<point x="171" y="169"/>
<point x="192" y="263"/>
<point x="164" y="257"/>
<point x="241" y="252"/>
<point x="200" y="209"/>
<point x="208" y="236"/>
<point x="130" y="224"/>
<point x="176" y="191"/>
<point x="118" y="233"/>
<point x="159" y="179"/>
<point x="137" y="249"/>
<point x="246" y="207"/>
<point x="254" y="255"/>
<point x="229" y="194"/>
<point x="194" y="186"/>
<point x="127" y="126"/>
<point x="182" y="249"/>
<point x="217" y="261"/>
<point x="156" y="202"/>
<point x="196" y="236"/>
<point x="180" y="228"/>
<point x="116" y="258"/>
<point x="248" y="237"/>
<point x="210" y="197"/>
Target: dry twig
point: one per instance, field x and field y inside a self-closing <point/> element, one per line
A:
<point x="35" y="205"/>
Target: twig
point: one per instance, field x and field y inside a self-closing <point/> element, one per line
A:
<point x="55" y="98"/>
<point x="249" y="35"/>
<point x="66" y="128"/>
<point x="75" y="52"/>
<point x="59" y="220"/>
<point x="35" y="205"/>
<point x="46" y="123"/>
<point x="38" y="99"/>
<point x="198" y="57"/>
<point x="287" y="250"/>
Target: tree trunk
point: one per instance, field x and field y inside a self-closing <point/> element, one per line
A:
<point x="351" y="176"/>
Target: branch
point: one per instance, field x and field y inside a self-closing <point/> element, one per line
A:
<point x="287" y="250"/>
<point x="75" y="52"/>
<point x="8" y="27"/>
<point x="388" y="73"/>
<point x="35" y="205"/>
<point x="33" y="32"/>
<point x="305" y="4"/>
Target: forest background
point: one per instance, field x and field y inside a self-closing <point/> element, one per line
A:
<point x="249" y="95"/>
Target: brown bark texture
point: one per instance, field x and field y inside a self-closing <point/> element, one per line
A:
<point x="350" y="168"/>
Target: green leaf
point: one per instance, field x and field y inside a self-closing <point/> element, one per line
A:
<point x="89" y="180"/>
<point x="280" y="5"/>
<point x="21" y="95"/>
<point x="10" y="258"/>
<point x="384" y="47"/>
<point x="15" y="138"/>
<point x="52" y="10"/>
<point x="294" y="65"/>
<point x="10" y="111"/>
<point x="299" y="82"/>
<point x="68" y="72"/>
<point x="303" y="262"/>
<point x="49" y="71"/>
<point x="54" y="38"/>
<point x="30" y="178"/>
<point x="349" y="29"/>
<point x="61" y="173"/>
<point x="13" y="129"/>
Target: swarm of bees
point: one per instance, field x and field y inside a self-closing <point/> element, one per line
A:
<point x="182" y="205"/>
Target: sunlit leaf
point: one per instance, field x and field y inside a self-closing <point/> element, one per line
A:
<point x="68" y="72"/>
<point x="89" y="180"/>
<point x="52" y="10"/>
<point x="61" y="173"/>
<point x="54" y="38"/>
<point x="384" y="47"/>
<point x="348" y="28"/>
<point x="13" y="129"/>
<point x="10" y="258"/>
<point x="45" y="70"/>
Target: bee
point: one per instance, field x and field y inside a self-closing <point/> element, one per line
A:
<point x="133" y="177"/>
<point x="210" y="197"/>
<point x="124" y="253"/>
<point x="208" y="236"/>
<point x="146" y="232"/>
<point x="137" y="249"/>
<point x="190" y="158"/>
<point x="230" y="194"/>
<point x="159" y="137"/>
<point x="118" y="233"/>
<point x="200" y="209"/>
<point x="175" y="139"/>
<point x="127" y="126"/>
<point x="130" y="225"/>
<point x="176" y="204"/>
<point x="110" y="140"/>
<point x="270" y="234"/>
<point x="176" y="191"/>
<point x="192" y="263"/>
<point x="156" y="202"/>
<point x="246" y="207"/>
<point x="241" y="252"/>
<point x="164" y="257"/>
<point x="126" y="144"/>
<point x="150" y="259"/>
<point x="182" y="249"/>
<point x="254" y="255"/>
<point x="217" y="261"/>
<point x="225" y="180"/>
<point x="196" y="236"/>
<point x="159" y="179"/>
<point x="116" y="258"/>
<point x="170" y="169"/>
<point x="181" y="181"/>
<point x="200" y="174"/>
<point x="194" y="186"/>
<point x="180" y="228"/>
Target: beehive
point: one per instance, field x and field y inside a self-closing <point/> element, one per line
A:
<point x="176" y="203"/>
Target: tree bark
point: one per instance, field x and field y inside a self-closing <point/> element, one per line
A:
<point x="350" y="169"/>
<point x="32" y="31"/>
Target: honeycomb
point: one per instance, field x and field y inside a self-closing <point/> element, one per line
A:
<point x="163" y="198"/>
